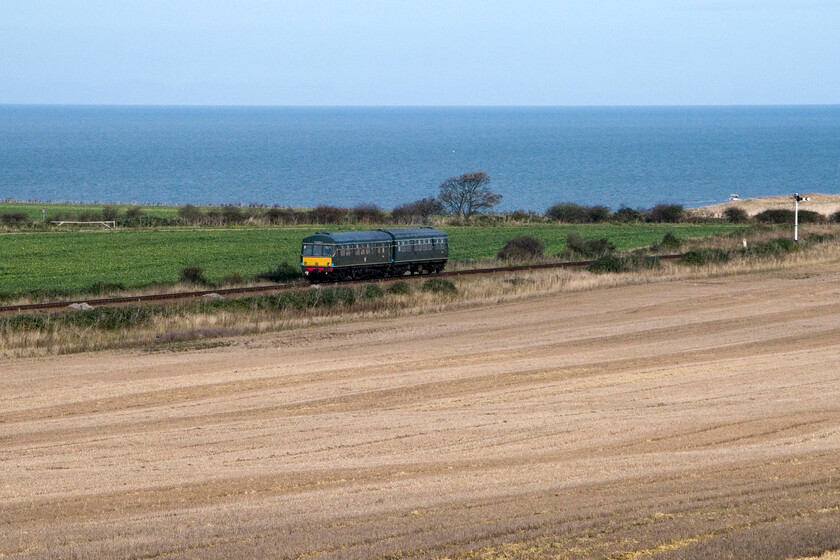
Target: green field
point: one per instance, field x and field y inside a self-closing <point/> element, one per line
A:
<point x="33" y="210"/>
<point x="73" y="261"/>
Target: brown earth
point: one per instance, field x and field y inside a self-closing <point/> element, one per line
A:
<point x="689" y="419"/>
<point x="825" y="204"/>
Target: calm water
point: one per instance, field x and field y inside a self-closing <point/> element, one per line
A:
<point x="389" y="156"/>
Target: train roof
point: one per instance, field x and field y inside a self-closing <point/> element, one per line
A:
<point x="372" y="236"/>
<point x="415" y="232"/>
<point x="348" y="237"/>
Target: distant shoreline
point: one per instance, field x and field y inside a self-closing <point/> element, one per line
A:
<point x="825" y="204"/>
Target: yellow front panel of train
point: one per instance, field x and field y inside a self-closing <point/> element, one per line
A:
<point x="317" y="261"/>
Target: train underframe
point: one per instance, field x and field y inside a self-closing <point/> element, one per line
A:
<point x="392" y="270"/>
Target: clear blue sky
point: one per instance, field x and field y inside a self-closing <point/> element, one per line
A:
<point x="429" y="52"/>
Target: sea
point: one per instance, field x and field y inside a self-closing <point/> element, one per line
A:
<point x="347" y="156"/>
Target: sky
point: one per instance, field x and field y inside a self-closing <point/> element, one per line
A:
<point x="413" y="52"/>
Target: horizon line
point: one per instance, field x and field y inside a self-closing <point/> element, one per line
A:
<point x="395" y="106"/>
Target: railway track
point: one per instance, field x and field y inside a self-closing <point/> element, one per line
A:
<point x="253" y="290"/>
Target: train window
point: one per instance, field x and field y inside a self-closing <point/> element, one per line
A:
<point x="307" y="249"/>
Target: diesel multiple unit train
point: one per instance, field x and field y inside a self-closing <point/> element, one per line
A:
<point x="352" y="255"/>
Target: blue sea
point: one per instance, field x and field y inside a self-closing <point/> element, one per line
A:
<point x="295" y="156"/>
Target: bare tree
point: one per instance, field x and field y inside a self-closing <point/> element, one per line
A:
<point x="468" y="194"/>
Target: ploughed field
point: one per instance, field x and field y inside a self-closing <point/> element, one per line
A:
<point x="688" y="419"/>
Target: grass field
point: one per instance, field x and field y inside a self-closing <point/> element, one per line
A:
<point x="72" y="261"/>
<point x="33" y="209"/>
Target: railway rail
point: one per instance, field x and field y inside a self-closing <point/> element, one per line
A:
<point x="252" y="290"/>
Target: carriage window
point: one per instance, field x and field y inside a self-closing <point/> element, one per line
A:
<point x="307" y="249"/>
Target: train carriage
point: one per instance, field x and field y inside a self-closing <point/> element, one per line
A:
<point x="373" y="254"/>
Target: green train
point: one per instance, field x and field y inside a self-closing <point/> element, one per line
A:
<point x="352" y="255"/>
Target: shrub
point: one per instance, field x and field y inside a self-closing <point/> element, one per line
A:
<point x="372" y="291"/>
<point x="328" y="215"/>
<point x="522" y="247"/>
<point x="191" y="214"/>
<point x="439" y="286"/>
<point x="134" y="213"/>
<point x="705" y="255"/>
<point x="110" y="213"/>
<point x="277" y="215"/>
<point x="419" y="211"/>
<point x="15" y="218"/>
<point x="811" y="217"/>
<point x="616" y="264"/>
<point x="368" y="214"/>
<point x="777" y="216"/>
<point x="399" y="288"/>
<point x="771" y="247"/>
<point x="283" y="273"/>
<point x="90" y="216"/>
<point x="569" y="212"/>
<point x="336" y="296"/>
<point x="834" y="218"/>
<point x="232" y="215"/>
<point x="192" y="274"/>
<point x="735" y="215"/>
<point x="590" y="249"/>
<point x="670" y="242"/>
<point x="598" y="214"/>
<point x="666" y="213"/>
<point x="628" y="215"/>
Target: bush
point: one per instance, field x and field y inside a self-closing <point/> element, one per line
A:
<point x="277" y="215"/>
<point x="439" y="286"/>
<point x="232" y="215"/>
<point x="110" y="213"/>
<point x="399" y="288"/>
<point x="590" y="249"/>
<point x="670" y="242"/>
<point x="770" y="248"/>
<point x="705" y="256"/>
<point x="368" y="214"/>
<point x="192" y="274"/>
<point x="569" y="212"/>
<point x="283" y="273"/>
<point x="599" y="214"/>
<point x="736" y="215"/>
<point x="134" y="213"/>
<point x="15" y="219"/>
<point x="372" y="291"/>
<point x="666" y="213"/>
<point x="328" y="215"/>
<point x="191" y="214"/>
<point x="834" y="218"/>
<point x="628" y="215"/>
<point x="90" y="216"/>
<point x="522" y="247"/>
<point x="777" y="216"/>
<point x="417" y="212"/>
<point x="628" y="263"/>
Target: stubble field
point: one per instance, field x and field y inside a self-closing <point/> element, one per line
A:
<point x="683" y="419"/>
